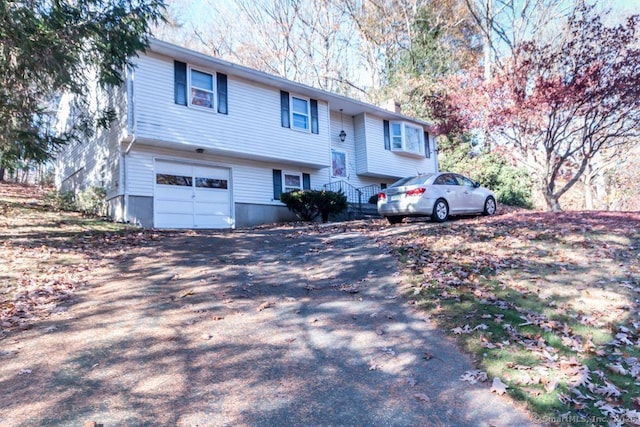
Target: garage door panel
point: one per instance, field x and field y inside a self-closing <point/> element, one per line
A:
<point x="174" y="220"/>
<point x="212" y="208"/>
<point x="168" y="206"/>
<point x="212" y="195"/>
<point x="216" y="173"/>
<point x="174" y="193"/>
<point x="165" y="167"/>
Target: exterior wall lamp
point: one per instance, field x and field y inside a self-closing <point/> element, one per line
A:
<point x="342" y="134"/>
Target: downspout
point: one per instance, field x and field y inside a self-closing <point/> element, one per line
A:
<point x="132" y="128"/>
<point x="435" y="152"/>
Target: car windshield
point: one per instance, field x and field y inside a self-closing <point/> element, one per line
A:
<point x="412" y="180"/>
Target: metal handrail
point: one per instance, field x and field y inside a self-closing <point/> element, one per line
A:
<point x="355" y="196"/>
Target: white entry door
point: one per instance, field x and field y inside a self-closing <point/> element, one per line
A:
<point x="191" y="196"/>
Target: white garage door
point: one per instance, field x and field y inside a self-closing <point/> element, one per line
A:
<point x="191" y="196"/>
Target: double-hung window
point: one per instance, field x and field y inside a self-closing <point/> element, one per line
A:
<point x="300" y="113"/>
<point x="201" y="89"/>
<point x="396" y="136"/>
<point x="291" y="181"/>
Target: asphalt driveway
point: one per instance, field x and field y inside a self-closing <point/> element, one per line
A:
<point x="262" y="327"/>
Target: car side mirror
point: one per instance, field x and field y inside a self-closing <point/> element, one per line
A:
<point x="476" y="184"/>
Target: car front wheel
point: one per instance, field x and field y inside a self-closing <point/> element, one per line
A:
<point x="489" y="206"/>
<point x="395" y="219"/>
<point x="440" y="211"/>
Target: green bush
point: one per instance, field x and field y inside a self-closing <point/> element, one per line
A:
<point x="309" y="204"/>
<point x="512" y="185"/>
<point x="61" y="200"/>
<point x="92" y="201"/>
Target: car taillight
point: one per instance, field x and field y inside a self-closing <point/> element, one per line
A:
<point x="416" y="192"/>
<point x="382" y="196"/>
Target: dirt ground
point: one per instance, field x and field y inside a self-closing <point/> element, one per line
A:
<point x="261" y="327"/>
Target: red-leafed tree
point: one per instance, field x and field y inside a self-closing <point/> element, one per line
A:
<point x="557" y="104"/>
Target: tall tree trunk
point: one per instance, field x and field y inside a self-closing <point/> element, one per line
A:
<point x="588" y="189"/>
<point x="486" y="42"/>
<point x="1" y="174"/>
<point x="553" y="204"/>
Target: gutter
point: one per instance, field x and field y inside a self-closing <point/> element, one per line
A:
<point x="132" y="127"/>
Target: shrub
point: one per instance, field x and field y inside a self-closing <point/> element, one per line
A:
<point x="330" y="202"/>
<point x="512" y="185"/>
<point x="309" y="204"/>
<point x="92" y="201"/>
<point x="301" y="203"/>
<point x="61" y="200"/>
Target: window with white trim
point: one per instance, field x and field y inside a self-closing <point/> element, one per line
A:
<point x="396" y="136"/>
<point x="291" y="181"/>
<point x="407" y="138"/>
<point x="202" y="88"/>
<point x="300" y="113"/>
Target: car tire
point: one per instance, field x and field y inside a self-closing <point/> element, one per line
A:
<point x="440" y="211"/>
<point x="395" y="219"/>
<point x="489" y="206"/>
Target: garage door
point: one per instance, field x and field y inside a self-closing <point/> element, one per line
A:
<point x="191" y="196"/>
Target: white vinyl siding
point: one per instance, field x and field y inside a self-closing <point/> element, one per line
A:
<point x="252" y="129"/>
<point x="252" y="181"/>
<point x="95" y="162"/>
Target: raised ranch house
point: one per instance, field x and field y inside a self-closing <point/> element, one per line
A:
<point x="199" y="142"/>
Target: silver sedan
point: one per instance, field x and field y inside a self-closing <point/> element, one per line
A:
<point x="437" y="195"/>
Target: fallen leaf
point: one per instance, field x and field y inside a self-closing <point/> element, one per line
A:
<point x="187" y="293"/>
<point x="498" y="386"/>
<point x="473" y="377"/>
<point x="422" y="397"/>
<point x="265" y="305"/>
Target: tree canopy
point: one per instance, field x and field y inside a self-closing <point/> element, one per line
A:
<point x="46" y="48"/>
<point x="555" y="104"/>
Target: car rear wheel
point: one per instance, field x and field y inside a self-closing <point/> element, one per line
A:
<point x="440" y="211"/>
<point x="489" y="206"/>
<point x="395" y="219"/>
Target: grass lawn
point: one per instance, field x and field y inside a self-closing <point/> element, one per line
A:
<point x="549" y="304"/>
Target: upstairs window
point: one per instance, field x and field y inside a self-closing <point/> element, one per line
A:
<point x="396" y="136"/>
<point x="404" y="137"/>
<point x="201" y="89"/>
<point x="299" y="113"/>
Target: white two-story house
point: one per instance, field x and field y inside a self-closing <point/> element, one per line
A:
<point x="199" y="142"/>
